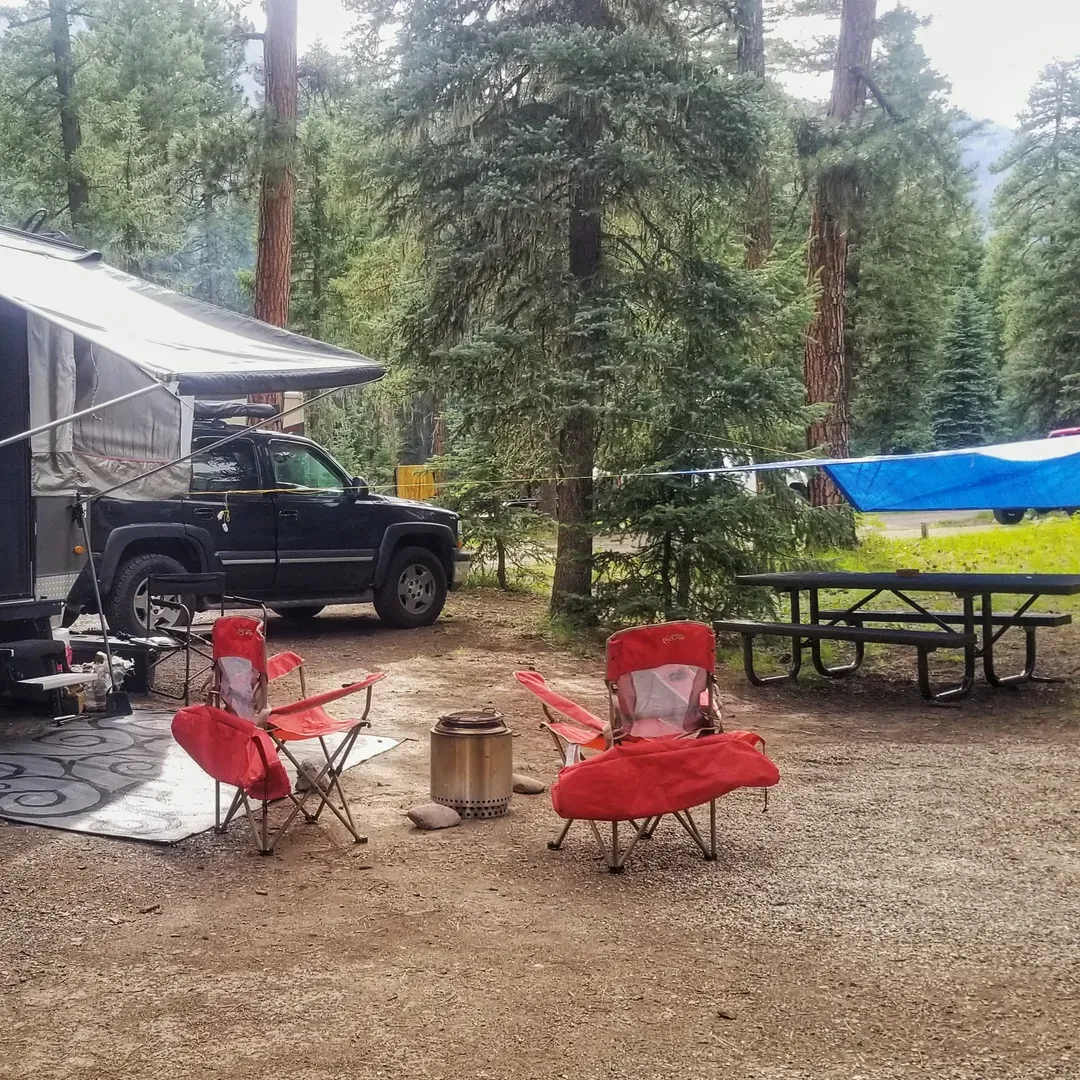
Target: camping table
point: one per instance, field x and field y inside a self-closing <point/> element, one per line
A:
<point x="967" y="587"/>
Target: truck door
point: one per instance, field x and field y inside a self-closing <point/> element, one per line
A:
<point x="242" y="524"/>
<point x="325" y="542"/>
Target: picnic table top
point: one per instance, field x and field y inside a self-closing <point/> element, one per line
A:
<point x="959" y="584"/>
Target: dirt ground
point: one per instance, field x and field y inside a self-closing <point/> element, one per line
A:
<point x="906" y="908"/>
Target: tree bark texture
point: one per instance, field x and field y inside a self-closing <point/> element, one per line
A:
<point x="826" y="367"/>
<point x="277" y="190"/>
<point x="750" y="58"/>
<point x="578" y="435"/>
<point x="70" y="134"/>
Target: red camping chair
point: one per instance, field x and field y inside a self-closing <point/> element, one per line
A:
<point x="234" y="751"/>
<point x="241" y="674"/>
<point x="663" y="750"/>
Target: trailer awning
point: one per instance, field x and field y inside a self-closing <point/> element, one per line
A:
<point x="202" y="350"/>
<point x="94" y="335"/>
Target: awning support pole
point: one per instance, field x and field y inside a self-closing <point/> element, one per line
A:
<point x="117" y="702"/>
<point x="79" y="415"/>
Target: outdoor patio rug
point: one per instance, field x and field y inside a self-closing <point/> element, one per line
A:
<point x="122" y="777"/>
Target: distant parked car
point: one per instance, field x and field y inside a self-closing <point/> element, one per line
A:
<point x="1015" y="514"/>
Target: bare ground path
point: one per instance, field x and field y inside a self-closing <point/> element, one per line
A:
<point x="906" y="908"/>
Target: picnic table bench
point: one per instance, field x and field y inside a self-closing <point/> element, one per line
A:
<point x="975" y="633"/>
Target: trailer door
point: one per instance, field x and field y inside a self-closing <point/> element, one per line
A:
<point x="16" y="578"/>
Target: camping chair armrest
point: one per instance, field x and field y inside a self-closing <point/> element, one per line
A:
<point x="533" y="681"/>
<point x="324" y="699"/>
<point x="576" y="736"/>
<point x="281" y="664"/>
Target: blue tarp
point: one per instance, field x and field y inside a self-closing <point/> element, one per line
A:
<point x="1041" y="474"/>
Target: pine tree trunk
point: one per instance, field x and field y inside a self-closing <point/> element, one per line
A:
<point x="70" y="134"/>
<point x="211" y="256"/>
<point x="750" y="55"/>
<point x="273" y="260"/>
<point x="577" y="436"/>
<point x="572" y="581"/>
<point x="826" y="368"/>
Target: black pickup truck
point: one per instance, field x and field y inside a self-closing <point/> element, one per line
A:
<point x="288" y="527"/>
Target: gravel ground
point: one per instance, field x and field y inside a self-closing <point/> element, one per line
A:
<point x="906" y="908"/>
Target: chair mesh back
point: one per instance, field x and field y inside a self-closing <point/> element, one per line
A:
<point x="660" y="701"/>
<point x="240" y="663"/>
<point x="242" y="688"/>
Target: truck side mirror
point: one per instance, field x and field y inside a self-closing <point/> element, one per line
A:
<point x="359" y="487"/>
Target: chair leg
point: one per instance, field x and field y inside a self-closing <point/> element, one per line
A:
<point x="686" y="820"/>
<point x="614" y="857"/>
<point x="557" y="843"/>
<point x="712" y="828"/>
<point x="234" y="806"/>
<point x="329" y="775"/>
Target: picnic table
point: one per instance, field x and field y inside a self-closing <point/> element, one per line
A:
<point x="974" y="631"/>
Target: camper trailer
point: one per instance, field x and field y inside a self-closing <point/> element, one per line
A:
<point x="101" y="372"/>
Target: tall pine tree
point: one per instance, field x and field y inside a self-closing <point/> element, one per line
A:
<point x="537" y="148"/>
<point x="964" y="399"/>
<point x="1034" y="255"/>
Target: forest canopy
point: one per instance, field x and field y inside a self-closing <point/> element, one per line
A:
<point x="589" y="240"/>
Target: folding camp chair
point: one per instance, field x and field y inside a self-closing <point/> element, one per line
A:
<point x="234" y="751"/>
<point x="168" y="613"/>
<point x="241" y="674"/>
<point x="662" y="751"/>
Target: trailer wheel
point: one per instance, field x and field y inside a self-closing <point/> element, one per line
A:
<point x="126" y="605"/>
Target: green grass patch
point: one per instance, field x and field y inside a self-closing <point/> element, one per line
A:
<point x="1046" y="545"/>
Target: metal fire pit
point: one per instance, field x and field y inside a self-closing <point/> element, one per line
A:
<point x="472" y="763"/>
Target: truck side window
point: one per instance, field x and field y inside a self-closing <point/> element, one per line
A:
<point x="228" y="468"/>
<point x="297" y="466"/>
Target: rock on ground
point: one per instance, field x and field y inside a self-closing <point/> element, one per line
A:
<point x="434" y="816"/>
<point x="528" y="785"/>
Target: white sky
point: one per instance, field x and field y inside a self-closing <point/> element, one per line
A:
<point x="991" y="50"/>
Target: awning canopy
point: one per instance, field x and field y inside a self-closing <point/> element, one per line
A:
<point x="1041" y="473"/>
<point x="203" y="350"/>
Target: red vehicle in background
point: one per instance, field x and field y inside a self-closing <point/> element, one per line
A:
<point x="1014" y="515"/>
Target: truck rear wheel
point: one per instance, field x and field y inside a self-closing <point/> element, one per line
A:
<point x="414" y="590"/>
<point x="126" y="605"/>
<point x="1009" y="517"/>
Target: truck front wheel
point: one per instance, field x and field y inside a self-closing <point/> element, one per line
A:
<point x="414" y="589"/>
